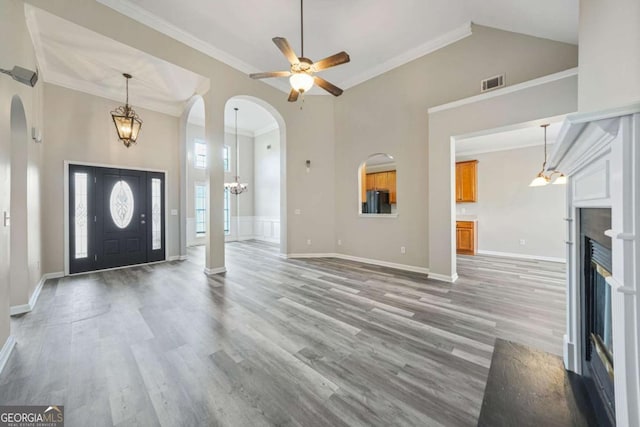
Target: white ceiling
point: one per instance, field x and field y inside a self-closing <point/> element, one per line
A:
<point x="528" y="136"/>
<point x="74" y="57"/>
<point x="252" y="118"/>
<point x="378" y="34"/>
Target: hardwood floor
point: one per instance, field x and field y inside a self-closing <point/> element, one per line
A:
<point x="318" y="342"/>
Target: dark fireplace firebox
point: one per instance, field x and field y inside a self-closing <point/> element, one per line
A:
<point x="597" y="350"/>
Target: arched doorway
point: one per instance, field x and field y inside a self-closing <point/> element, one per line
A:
<point x="18" y="271"/>
<point x="194" y="180"/>
<point x="260" y="146"/>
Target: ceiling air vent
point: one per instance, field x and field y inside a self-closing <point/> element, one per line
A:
<point x="492" y="83"/>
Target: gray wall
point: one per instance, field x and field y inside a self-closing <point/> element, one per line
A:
<point x="388" y="114"/>
<point x="87" y="116"/>
<point x="16" y="49"/>
<point x="538" y="102"/>
<point x="509" y="210"/>
<point x="609" y="54"/>
<point x="267" y="175"/>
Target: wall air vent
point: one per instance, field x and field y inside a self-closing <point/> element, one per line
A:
<point x="492" y="83"/>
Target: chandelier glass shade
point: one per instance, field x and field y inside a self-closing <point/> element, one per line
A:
<point x="126" y="120"/>
<point x="236" y="187"/>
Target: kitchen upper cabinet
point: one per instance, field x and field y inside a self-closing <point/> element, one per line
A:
<point x="466" y="237"/>
<point x="391" y="181"/>
<point x="467" y="181"/>
<point x="381" y="181"/>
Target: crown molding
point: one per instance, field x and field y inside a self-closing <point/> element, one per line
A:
<point x="268" y="128"/>
<point x="241" y="132"/>
<point x="137" y="13"/>
<point x="412" y="54"/>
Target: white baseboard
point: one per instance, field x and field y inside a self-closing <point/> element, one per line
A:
<point x="6" y="350"/>
<point x="404" y="267"/>
<point x="212" y="271"/>
<point x="312" y="255"/>
<point x="522" y="256"/>
<point x="26" y="308"/>
<point x="443" y="277"/>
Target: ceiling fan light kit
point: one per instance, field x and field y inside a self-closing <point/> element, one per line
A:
<point x="302" y="73"/>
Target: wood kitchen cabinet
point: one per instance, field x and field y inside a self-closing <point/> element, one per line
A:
<point x="467" y="181"/>
<point x="466" y="237"/>
<point x="380" y="181"/>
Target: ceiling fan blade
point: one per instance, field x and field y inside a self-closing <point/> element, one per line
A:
<point x="270" y="74"/>
<point x="293" y="95"/>
<point x="331" y="61"/>
<point x="285" y="48"/>
<point x="329" y="87"/>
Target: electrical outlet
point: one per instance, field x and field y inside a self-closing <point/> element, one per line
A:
<point x="403" y="250"/>
<point x="297" y="211"/>
<point x="523" y="242"/>
<point x="464" y="210"/>
<point x="339" y="242"/>
<point x="309" y="242"/>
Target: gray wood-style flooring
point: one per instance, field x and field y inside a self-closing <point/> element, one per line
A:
<point x="320" y="342"/>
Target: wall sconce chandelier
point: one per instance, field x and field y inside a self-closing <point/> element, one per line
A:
<point x="127" y="122"/>
<point x="236" y="187"/>
<point x="543" y="179"/>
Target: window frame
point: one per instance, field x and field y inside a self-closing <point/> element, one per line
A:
<point x="226" y="157"/>
<point x="199" y="233"/>
<point x="226" y="208"/>
<point x="199" y="159"/>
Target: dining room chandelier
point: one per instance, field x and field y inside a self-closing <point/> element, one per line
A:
<point x="236" y="187"/>
<point x="545" y="177"/>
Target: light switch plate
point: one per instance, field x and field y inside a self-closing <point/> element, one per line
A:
<point x="174" y="212"/>
<point x="297" y="211"/>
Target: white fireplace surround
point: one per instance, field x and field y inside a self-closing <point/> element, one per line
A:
<point x="600" y="154"/>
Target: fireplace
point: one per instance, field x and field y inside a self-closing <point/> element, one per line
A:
<point x="595" y="296"/>
<point x="599" y="152"/>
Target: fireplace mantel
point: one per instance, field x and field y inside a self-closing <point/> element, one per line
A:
<point x="600" y="154"/>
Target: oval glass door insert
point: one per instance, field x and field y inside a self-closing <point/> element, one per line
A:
<point x="121" y="204"/>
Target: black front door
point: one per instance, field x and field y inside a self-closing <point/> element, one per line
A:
<point x="116" y="217"/>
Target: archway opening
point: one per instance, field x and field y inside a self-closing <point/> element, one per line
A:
<point x="195" y="199"/>
<point x="254" y="151"/>
<point x="18" y="270"/>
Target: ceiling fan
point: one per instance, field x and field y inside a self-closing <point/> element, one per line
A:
<point x="302" y="73"/>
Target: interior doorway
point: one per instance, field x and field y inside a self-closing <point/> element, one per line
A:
<point x="253" y="155"/>
<point x="116" y="217"/>
<point x="18" y="266"/>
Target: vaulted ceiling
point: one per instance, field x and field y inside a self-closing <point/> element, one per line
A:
<point x="378" y="34"/>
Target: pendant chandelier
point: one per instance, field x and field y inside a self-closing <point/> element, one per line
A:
<point x="127" y="122"/>
<point x="236" y="187"/>
<point x="543" y="179"/>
